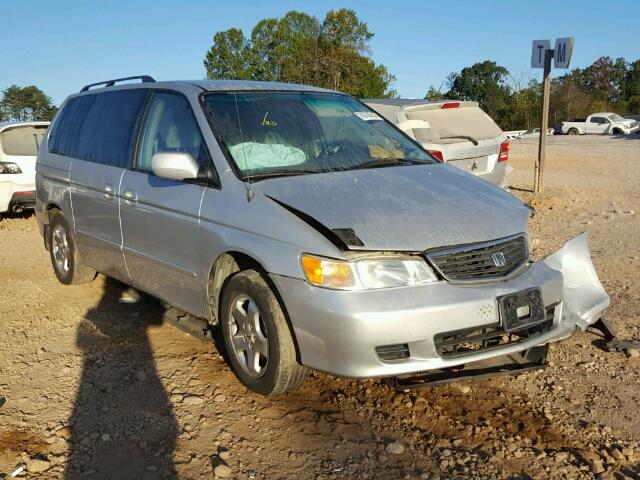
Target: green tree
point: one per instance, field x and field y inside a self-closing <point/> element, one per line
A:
<point x="299" y="48"/>
<point x="485" y="83"/>
<point x="433" y="94"/>
<point x="229" y="57"/>
<point x="25" y="104"/>
<point x="632" y="87"/>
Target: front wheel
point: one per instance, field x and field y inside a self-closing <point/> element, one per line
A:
<point x="64" y="254"/>
<point x="259" y="345"/>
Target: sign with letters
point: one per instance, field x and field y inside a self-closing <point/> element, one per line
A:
<point x="541" y="54"/>
<point x="562" y="52"/>
<point x="538" y="52"/>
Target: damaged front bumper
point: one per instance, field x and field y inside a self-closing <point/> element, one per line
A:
<point x="402" y="331"/>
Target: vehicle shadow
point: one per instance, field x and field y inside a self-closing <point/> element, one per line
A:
<point x="122" y="424"/>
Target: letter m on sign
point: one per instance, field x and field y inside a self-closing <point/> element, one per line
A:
<point x="562" y="52"/>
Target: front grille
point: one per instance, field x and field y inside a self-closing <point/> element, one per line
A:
<point x="393" y="352"/>
<point x="477" y="339"/>
<point x="481" y="261"/>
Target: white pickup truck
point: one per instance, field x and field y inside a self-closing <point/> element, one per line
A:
<point x="600" y="124"/>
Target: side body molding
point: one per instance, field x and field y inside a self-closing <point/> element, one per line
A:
<point x="584" y="297"/>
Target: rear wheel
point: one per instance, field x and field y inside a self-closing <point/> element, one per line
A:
<point x="572" y="131"/>
<point x="64" y="254"/>
<point x="259" y="345"/>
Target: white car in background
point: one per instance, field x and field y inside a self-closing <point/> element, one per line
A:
<point x="604" y="123"/>
<point x="19" y="143"/>
<point x="454" y="132"/>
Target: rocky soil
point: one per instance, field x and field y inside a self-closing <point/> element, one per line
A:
<point x="94" y="388"/>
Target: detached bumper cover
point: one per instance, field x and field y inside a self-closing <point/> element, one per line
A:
<point x="583" y="296"/>
<point x="338" y="331"/>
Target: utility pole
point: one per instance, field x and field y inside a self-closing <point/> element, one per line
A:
<point x="538" y="181"/>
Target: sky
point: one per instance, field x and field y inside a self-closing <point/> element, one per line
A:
<point x="61" y="46"/>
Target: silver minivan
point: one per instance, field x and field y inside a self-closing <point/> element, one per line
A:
<point x="307" y="230"/>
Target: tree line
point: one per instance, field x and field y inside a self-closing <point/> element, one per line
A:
<point x="515" y="101"/>
<point x="334" y="52"/>
<point x="25" y="104"/>
<point x="300" y="48"/>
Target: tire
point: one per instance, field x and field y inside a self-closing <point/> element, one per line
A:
<point x="263" y="358"/>
<point x="572" y="131"/>
<point x="64" y="254"/>
<point x="616" y="131"/>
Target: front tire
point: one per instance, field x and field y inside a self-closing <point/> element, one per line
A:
<point x="257" y="339"/>
<point x="64" y="254"/>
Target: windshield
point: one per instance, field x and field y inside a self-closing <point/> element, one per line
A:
<point x="22" y="141"/>
<point x="280" y="133"/>
<point x="615" y="117"/>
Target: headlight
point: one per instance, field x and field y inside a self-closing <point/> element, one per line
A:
<point x="9" y="168"/>
<point x="366" y="274"/>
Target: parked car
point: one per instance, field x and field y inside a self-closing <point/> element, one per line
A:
<point x="600" y="124"/>
<point x="19" y="142"/>
<point x="635" y="118"/>
<point x="535" y="132"/>
<point x="459" y="133"/>
<point x="309" y="230"/>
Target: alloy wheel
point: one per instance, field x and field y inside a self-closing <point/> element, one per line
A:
<point x="248" y="336"/>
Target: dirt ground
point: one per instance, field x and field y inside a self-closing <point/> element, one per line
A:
<point x="93" y="388"/>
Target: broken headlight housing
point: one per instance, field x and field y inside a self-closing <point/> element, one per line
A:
<point x="9" y="168"/>
<point x="367" y="274"/>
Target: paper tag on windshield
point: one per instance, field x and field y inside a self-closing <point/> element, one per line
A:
<point x="367" y="116"/>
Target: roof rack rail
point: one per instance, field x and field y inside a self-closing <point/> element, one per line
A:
<point x="111" y="83"/>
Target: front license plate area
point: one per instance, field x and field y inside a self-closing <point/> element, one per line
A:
<point x="521" y="309"/>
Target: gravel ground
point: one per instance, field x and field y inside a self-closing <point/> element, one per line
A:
<point x="92" y="388"/>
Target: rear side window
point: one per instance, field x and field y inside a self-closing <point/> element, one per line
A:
<point x="99" y="128"/>
<point x="107" y="133"/>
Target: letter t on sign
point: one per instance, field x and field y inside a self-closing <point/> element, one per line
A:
<point x="538" y="52"/>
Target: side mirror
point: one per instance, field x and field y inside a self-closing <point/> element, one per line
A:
<point x="174" y="165"/>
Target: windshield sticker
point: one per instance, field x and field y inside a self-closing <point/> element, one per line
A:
<point x="367" y="116"/>
<point x="268" y="123"/>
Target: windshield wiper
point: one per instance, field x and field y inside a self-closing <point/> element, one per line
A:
<point x="466" y="137"/>
<point x="278" y="173"/>
<point x="386" y="162"/>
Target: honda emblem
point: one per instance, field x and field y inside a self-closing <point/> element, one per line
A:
<point x="498" y="259"/>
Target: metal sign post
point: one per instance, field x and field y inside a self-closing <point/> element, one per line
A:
<point x="541" y="56"/>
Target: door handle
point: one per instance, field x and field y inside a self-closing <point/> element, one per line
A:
<point x="108" y="191"/>
<point x="130" y="198"/>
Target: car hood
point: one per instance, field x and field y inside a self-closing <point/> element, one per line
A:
<point x="400" y="208"/>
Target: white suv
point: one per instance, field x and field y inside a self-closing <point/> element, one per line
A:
<point x="19" y="143"/>
<point x="454" y="132"/>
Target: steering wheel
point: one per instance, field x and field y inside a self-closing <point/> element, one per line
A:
<point x="333" y="148"/>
